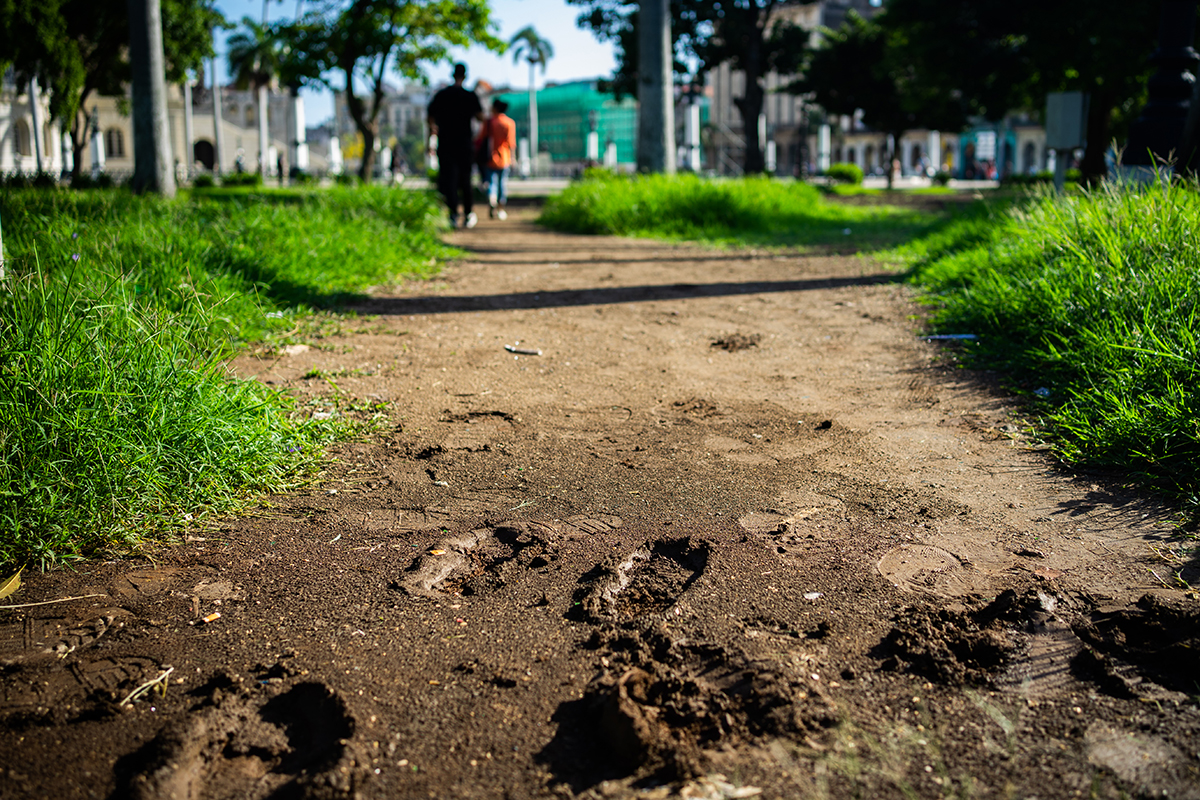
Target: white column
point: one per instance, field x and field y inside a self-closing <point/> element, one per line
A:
<point x="189" y="130"/>
<point x="335" y="155"/>
<point x="68" y="154"/>
<point x="593" y="146"/>
<point x="300" y="159"/>
<point x="824" y="136"/>
<point x="264" y="165"/>
<point x="935" y="150"/>
<point x="610" y="155"/>
<point x="523" y="157"/>
<point x="97" y="145"/>
<point x="692" y="135"/>
<point x="770" y="158"/>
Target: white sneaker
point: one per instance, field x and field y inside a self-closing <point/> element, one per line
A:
<point x="471" y="220"/>
<point x="501" y="214"/>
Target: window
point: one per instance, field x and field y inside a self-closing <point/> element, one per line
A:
<point x="114" y="143"/>
<point x="249" y="116"/>
<point x="22" y="143"/>
<point x="869" y="156"/>
<point x="851" y="155"/>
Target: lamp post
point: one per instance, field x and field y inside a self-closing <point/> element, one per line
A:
<point x="1156" y="134"/>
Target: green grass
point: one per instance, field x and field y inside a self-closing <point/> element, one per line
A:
<point x="1090" y="302"/>
<point x="753" y="211"/>
<point x="117" y="417"/>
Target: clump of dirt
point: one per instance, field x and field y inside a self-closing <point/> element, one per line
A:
<point x="963" y="646"/>
<point x="737" y="341"/>
<point x="1158" y="638"/>
<point x="662" y="705"/>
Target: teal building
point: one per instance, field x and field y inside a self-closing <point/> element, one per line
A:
<point x="567" y="112"/>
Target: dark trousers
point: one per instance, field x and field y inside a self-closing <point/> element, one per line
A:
<point x="454" y="182"/>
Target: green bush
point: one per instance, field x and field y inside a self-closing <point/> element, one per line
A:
<point x="242" y="179"/>
<point x="941" y="178"/>
<point x="746" y="210"/>
<point x="845" y="173"/>
<point x="204" y="180"/>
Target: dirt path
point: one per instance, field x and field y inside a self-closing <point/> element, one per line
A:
<point x="736" y="528"/>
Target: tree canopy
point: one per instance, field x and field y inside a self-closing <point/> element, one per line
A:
<point x="362" y="41"/>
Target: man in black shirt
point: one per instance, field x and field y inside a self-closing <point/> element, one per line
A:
<point x="450" y="115"/>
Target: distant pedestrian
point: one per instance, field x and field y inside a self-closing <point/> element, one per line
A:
<point x="450" y="115"/>
<point x="501" y="134"/>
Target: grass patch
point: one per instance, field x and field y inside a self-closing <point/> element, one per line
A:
<point x="757" y="211"/>
<point x="117" y="417"/>
<point x="1090" y="301"/>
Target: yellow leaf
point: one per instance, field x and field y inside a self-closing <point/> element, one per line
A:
<point x="11" y="584"/>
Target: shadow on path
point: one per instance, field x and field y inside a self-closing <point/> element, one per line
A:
<point x="606" y="296"/>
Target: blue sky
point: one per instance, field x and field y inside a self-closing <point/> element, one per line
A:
<point x="577" y="53"/>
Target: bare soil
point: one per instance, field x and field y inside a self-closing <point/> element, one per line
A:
<point x="736" y="531"/>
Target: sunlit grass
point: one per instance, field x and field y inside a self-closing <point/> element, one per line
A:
<point x="756" y="211"/>
<point x="1090" y="302"/>
<point x="117" y="417"/>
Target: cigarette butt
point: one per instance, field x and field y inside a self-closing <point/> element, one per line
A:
<point x="213" y="617"/>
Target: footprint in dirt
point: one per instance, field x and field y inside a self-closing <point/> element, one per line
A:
<point x="647" y="581"/>
<point x="298" y="744"/>
<point x="33" y="640"/>
<point x="485" y="559"/>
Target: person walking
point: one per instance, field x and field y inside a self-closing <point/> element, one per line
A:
<point x="501" y="133"/>
<point x="450" y="114"/>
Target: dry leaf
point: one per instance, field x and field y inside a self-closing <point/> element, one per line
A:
<point x="11" y="584"/>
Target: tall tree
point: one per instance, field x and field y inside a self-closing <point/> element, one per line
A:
<point x="78" y="48"/>
<point x="361" y="41"/>
<point x="152" y="167"/>
<point x="656" y="90"/>
<point x="254" y="59"/>
<point x="527" y="44"/>
<point x="751" y="35"/>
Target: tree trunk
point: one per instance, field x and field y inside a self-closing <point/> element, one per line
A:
<point x="368" y="160"/>
<point x="79" y="131"/>
<point x="217" y="122"/>
<point x="152" y="170"/>
<point x="750" y="105"/>
<point x="656" y="92"/>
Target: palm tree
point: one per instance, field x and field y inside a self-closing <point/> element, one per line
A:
<point x="253" y="61"/>
<point x="536" y="50"/>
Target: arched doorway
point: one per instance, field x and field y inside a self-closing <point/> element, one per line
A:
<point x="203" y="152"/>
